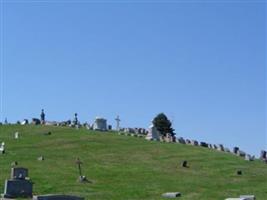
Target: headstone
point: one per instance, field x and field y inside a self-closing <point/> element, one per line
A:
<point x="56" y="197"/>
<point x="153" y="133"/>
<point x="220" y="147"/>
<point x="41" y="158"/>
<point x="248" y="157"/>
<point x="2" y="148"/>
<point x="25" y="122"/>
<point x="235" y="199"/>
<point x="235" y="150"/>
<point x="168" y="138"/>
<point x="47" y="133"/>
<point x="239" y="172"/>
<point x="263" y="155"/>
<point x="204" y="144"/>
<point x="88" y="127"/>
<point x="241" y="153"/>
<point x="16" y="135"/>
<point x="51" y="123"/>
<point x="194" y="142"/>
<point x="100" y="124"/>
<point x="13" y="164"/>
<point x="187" y="141"/>
<point x="36" y="121"/>
<point x="19" y="173"/>
<point x="171" y="195"/>
<point x="18" y="186"/>
<point x="180" y="140"/>
<point x="184" y="164"/>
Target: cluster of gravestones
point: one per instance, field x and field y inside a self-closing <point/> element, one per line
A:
<point x="138" y="131"/>
<point x="20" y="186"/>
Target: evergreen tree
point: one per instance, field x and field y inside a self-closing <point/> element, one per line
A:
<point x="163" y="124"/>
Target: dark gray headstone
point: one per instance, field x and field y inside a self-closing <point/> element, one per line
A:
<point x="235" y="150"/>
<point x="263" y="155"/>
<point x="181" y="140"/>
<point x="239" y="172"/>
<point x="184" y="164"/>
<point x="194" y="142"/>
<point x="19" y="173"/>
<point x="241" y="153"/>
<point x="204" y="144"/>
<point x="36" y="121"/>
<point x="57" y="197"/>
<point x="220" y="148"/>
<point x="17" y="188"/>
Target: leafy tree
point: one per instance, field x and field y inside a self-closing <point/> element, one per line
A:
<point x="163" y="124"/>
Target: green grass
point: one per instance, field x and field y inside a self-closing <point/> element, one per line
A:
<point x="126" y="168"/>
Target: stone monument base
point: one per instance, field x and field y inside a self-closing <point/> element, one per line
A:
<point x="17" y="188"/>
<point x="56" y="197"/>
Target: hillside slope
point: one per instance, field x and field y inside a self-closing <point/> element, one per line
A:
<point x="126" y="168"/>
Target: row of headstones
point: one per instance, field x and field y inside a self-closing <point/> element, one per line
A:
<point x="172" y="195"/>
<point x="74" y="124"/>
<point x="181" y="140"/>
<point x="20" y="186"/>
<point x="220" y="147"/>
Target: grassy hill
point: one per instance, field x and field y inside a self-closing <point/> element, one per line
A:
<point x="126" y="168"/>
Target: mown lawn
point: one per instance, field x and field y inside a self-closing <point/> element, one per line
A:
<point x="126" y="168"/>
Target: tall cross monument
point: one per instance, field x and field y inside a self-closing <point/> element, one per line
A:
<point x="118" y="122"/>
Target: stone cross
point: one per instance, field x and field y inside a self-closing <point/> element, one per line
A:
<point x="75" y="121"/>
<point x="118" y="122"/>
<point x="42" y="117"/>
<point x="79" y="163"/>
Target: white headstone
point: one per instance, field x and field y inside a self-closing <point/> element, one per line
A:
<point x="16" y="135"/>
<point x="2" y="148"/>
<point x="248" y="197"/>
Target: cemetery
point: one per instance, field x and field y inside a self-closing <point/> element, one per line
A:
<point x="73" y="161"/>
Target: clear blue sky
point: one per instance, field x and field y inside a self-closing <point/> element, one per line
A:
<point x="203" y="64"/>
